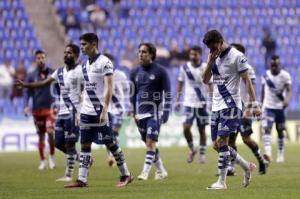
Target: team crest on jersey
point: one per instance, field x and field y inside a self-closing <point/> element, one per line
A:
<point x="152" y="77"/>
<point x="243" y="60"/>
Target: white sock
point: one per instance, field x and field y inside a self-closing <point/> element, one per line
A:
<point x="159" y="165"/>
<point x="242" y="162"/>
<point x="70" y="165"/>
<point x="267" y="139"/>
<point x="120" y="159"/>
<point x="202" y="150"/>
<point x="84" y="159"/>
<point x="149" y="158"/>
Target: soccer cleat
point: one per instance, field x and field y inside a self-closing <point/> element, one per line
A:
<point x="248" y="174"/>
<point x="202" y="159"/>
<point x="217" y="186"/>
<point x="64" y="179"/>
<point x="262" y="167"/>
<point x="191" y="156"/>
<point x="124" y="180"/>
<point x="76" y="184"/>
<point x="280" y="158"/>
<point x="160" y="175"/>
<point x="43" y="165"/>
<point x="143" y="176"/>
<point x="51" y="162"/>
<point x="111" y="162"/>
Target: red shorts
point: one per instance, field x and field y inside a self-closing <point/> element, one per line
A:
<point x="44" y="120"/>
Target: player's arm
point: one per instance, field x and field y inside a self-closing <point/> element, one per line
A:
<point x="251" y="93"/>
<point x="167" y="97"/>
<point x="288" y="88"/>
<point x="133" y="90"/>
<point x="33" y="85"/>
<point x="178" y="95"/>
<point x="108" y="87"/>
<point x="210" y="62"/>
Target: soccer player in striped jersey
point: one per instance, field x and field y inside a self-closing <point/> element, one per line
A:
<point x="195" y="100"/>
<point x="120" y="97"/>
<point x="95" y="120"/>
<point x="66" y="128"/>
<point x="227" y="66"/>
<point x="276" y="93"/>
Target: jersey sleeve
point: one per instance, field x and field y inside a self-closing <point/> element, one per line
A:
<point x="251" y="73"/>
<point x="181" y="74"/>
<point x="108" y="68"/>
<point x="54" y="75"/>
<point x="79" y="74"/>
<point x="288" y="79"/>
<point x="242" y="63"/>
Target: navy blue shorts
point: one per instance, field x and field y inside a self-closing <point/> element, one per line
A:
<point x="273" y="115"/>
<point x="66" y="132"/>
<point x="245" y="127"/>
<point x="149" y="128"/>
<point x="200" y="114"/>
<point x="117" y="121"/>
<point x="225" y="122"/>
<point x="91" y="131"/>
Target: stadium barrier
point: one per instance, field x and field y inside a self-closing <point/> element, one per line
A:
<point x="20" y="135"/>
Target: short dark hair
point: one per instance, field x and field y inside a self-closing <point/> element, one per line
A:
<point x="39" y="51"/>
<point x="89" y="37"/>
<point x="239" y="47"/>
<point x="74" y="48"/>
<point x="212" y="36"/>
<point x="110" y="56"/>
<point x="274" y="57"/>
<point x="197" y="49"/>
<point x="151" y="49"/>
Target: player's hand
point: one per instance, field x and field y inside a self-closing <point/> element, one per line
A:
<point x="103" y="118"/>
<point x="26" y="111"/>
<point x="165" y="117"/>
<point x="285" y="104"/>
<point x="213" y="56"/>
<point x="77" y="119"/>
<point x="252" y="111"/>
<point x="20" y="84"/>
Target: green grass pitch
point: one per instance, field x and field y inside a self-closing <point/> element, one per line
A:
<point x="20" y="178"/>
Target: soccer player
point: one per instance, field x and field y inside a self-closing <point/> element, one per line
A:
<point x="42" y="109"/>
<point x="245" y="127"/>
<point x="276" y="93"/>
<point x="227" y="66"/>
<point x="150" y="87"/>
<point x="120" y="96"/>
<point x="66" y="129"/>
<point x="190" y="75"/>
<point x="95" y="122"/>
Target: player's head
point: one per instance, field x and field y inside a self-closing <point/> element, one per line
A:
<point x="275" y="64"/>
<point x="147" y="53"/>
<point x="71" y="54"/>
<point x="195" y="53"/>
<point x="239" y="47"/>
<point x="89" y="43"/>
<point x="213" y="39"/>
<point x="40" y="59"/>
